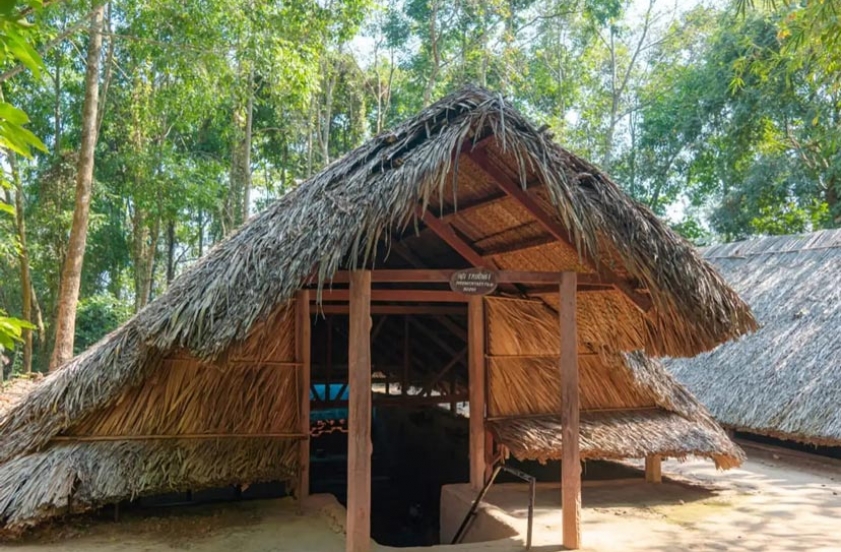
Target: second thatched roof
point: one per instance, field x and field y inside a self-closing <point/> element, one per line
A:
<point x="785" y="380"/>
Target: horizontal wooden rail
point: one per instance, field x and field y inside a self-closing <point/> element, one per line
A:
<point x="397" y="400"/>
<point x="438" y="310"/>
<point x="442" y="276"/>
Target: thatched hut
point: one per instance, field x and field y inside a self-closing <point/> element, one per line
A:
<point x="210" y="383"/>
<point x="782" y="381"/>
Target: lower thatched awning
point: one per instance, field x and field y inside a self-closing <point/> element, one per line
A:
<point x="79" y="476"/>
<point x="617" y="435"/>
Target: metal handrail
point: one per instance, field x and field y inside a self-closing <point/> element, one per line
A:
<point x="471" y="514"/>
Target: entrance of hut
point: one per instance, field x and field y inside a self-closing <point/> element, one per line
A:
<point x="419" y="432"/>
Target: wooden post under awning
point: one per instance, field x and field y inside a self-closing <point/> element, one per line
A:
<point x="476" y="388"/>
<point x="359" y="414"/>
<point x="653" y="469"/>
<point x="303" y="340"/>
<point x="570" y="405"/>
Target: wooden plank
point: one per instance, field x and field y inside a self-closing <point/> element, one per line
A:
<point x="303" y="344"/>
<point x="653" y="469"/>
<point x="570" y="407"/>
<point x="359" y="415"/>
<point x="476" y="389"/>
<point x="556" y="229"/>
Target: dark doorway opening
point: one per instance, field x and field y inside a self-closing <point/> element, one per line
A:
<point x="416" y="452"/>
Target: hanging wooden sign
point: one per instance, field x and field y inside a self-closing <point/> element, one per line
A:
<point x="474" y="281"/>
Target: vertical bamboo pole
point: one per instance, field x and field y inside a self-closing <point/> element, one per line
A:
<point x="571" y="464"/>
<point x="359" y="414"/>
<point x="653" y="470"/>
<point x="476" y="389"/>
<point x="303" y="327"/>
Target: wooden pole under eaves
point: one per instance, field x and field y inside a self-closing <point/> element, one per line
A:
<point x="570" y="404"/>
<point x="303" y="328"/>
<point x="653" y="470"/>
<point x="476" y="389"/>
<point x="359" y="414"/>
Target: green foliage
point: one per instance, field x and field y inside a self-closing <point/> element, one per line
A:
<point x="98" y="315"/>
<point x="11" y="330"/>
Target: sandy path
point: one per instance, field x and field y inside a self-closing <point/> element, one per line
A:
<point x="770" y="504"/>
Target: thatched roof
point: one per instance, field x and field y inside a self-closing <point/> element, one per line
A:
<point x="361" y="209"/>
<point x="784" y="380"/>
<point x="631" y="406"/>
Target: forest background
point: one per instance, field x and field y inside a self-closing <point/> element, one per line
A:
<point x="136" y="133"/>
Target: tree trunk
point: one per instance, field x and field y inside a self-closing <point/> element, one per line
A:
<point x="170" y="251"/>
<point x="71" y="276"/>
<point x="145" y="246"/>
<point x="246" y="147"/>
<point x="23" y="257"/>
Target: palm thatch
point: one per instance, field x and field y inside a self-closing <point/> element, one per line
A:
<point x="630" y="406"/>
<point x="13" y="390"/>
<point x="784" y="380"/>
<point x="218" y="337"/>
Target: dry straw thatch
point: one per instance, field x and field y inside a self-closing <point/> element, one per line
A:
<point x="784" y="380"/>
<point x="224" y="312"/>
<point x="631" y="407"/>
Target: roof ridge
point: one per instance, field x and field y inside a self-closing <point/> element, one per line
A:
<point x="776" y="245"/>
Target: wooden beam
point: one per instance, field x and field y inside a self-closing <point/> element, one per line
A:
<point x="435" y="338"/>
<point x="358" y="526"/>
<point x="303" y="340"/>
<point x="481" y="203"/>
<point x="570" y="412"/>
<point x="442" y="276"/>
<point x="401" y="295"/>
<point x="457" y="358"/>
<point x="653" y="469"/>
<point x="407" y="358"/>
<point x="524" y="245"/>
<point x="556" y="229"/>
<point x="398" y="400"/>
<point x="438" y="310"/>
<point x="446" y="233"/>
<point x="476" y="389"/>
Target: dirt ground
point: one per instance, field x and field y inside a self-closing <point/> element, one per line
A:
<point x="774" y="502"/>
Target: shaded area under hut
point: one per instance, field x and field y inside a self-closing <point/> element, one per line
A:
<point x="216" y="381"/>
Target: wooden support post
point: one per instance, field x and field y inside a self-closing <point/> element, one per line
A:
<point x="303" y="327"/>
<point x="407" y="358"/>
<point x="570" y="464"/>
<point x="359" y="415"/>
<point x="653" y="471"/>
<point x="476" y="389"/>
<point x="489" y="454"/>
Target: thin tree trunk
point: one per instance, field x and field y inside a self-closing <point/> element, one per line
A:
<point x="170" y="251"/>
<point x="23" y="258"/>
<point x="246" y="153"/>
<point x="436" y="56"/>
<point x="71" y="276"/>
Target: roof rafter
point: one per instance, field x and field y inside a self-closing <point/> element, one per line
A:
<point x="482" y="160"/>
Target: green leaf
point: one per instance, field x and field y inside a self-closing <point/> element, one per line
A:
<point x="13" y="114"/>
<point x="6" y="208"/>
<point x="23" y="51"/>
